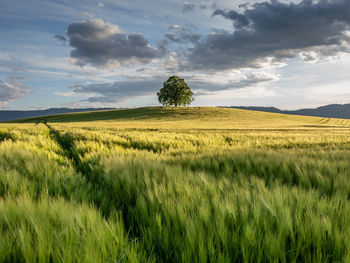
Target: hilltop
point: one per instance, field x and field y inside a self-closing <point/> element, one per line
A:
<point x="328" y="111"/>
<point x="188" y="117"/>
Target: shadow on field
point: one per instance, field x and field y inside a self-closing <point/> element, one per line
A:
<point x="121" y="194"/>
<point x="92" y="174"/>
<point x="109" y="195"/>
<point x="178" y="214"/>
<point x="5" y="136"/>
<point x="66" y="141"/>
<point x="273" y="169"/>
<point x="131" y="143"/>
<point x="121" y="114"/>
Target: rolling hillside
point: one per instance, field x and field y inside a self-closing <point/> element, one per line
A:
<point x="6" y="115"/>
<point x="175" y="185"/>
<point x="328" y="111"/>
<point x="189" y="117"/>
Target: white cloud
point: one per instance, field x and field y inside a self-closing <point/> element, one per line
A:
<point x="85" y="15"/>
<point x="65" y="94"/>
<point x="12" y="89"/>
<point x="309" y="57"/>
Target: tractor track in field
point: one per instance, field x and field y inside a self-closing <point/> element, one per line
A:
<point x="91" y="173"/>
<point x="111" y="194"/>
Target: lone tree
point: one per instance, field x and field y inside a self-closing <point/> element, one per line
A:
<point x="175" y="92"/>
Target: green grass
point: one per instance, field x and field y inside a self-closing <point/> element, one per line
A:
<point x="175" y="185"/>
<point x="188" y="117"/>
<point x="57" y="231"/>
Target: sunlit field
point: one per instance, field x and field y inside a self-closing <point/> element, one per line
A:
<point x="175" y="185"/>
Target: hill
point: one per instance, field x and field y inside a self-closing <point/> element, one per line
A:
<point x="330" y="111"/>
<point x="6" y="115"/>
<point x="188" y="117"/>
<point x="175" y="185"/>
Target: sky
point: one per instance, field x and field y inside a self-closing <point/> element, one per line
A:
<point x="117" y="53"/>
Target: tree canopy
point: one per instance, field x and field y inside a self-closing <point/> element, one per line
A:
<point x="175" y="92"/>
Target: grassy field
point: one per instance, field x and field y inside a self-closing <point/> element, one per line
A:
<point x="175" y="185"/>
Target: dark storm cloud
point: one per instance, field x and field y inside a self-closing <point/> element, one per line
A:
<point x="61" y="38"/>
<point x="121" y="90"/>
<point x="11" y="89"/>
<point x="274" y="31"/>
<point x="101" y="44"/>
<point x="239" y="19"/>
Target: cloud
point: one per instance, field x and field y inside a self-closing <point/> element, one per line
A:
<point x="202" y="87"/>
<point x="207" y="6"/>
<point x="188" y="7"/>
<point x="271" y="32"/>
<point x="174" y="27"/>
<point x="11" y="67"/>
<point x="11" y="89"/>
<point x="100" y="4"/>
<point x="61" y="38"/>
<point x="309" y="57"/>
<point x="182" y="34"/>
<point x="103" y="44"/>
<point x="121" y="90"/>
<point x="85" y="15"/>
<point x="65" y="94"/>
<point x="239" y="19"/>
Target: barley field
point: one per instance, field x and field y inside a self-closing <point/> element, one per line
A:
<point x="175" y="185"/>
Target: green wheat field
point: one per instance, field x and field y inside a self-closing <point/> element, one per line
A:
<point x="175" y="185"/>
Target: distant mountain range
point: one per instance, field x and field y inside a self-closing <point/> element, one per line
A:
<point x="6" y="115"/>
<point x="329" y="111"/>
